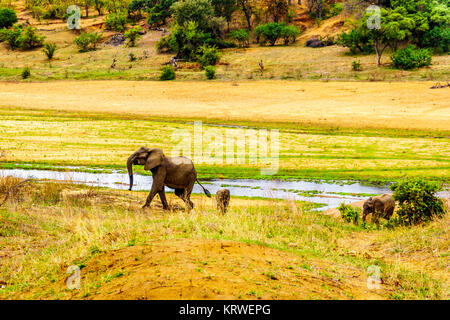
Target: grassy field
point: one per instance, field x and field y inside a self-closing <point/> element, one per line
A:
<point x="45" y="138"/>
<point x="45" y="228"/>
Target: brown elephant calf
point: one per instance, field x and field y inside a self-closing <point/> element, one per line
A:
<point x="223" y="200"/>
<point x="380" y="207"/>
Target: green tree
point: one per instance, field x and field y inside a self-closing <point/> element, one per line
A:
<point x="246" y="6"/>
<point x="395" y="26"/>
<point x="160" y="12"/>
<point x="199" y="11"/>
<point x="278" y="9"/>
<point x="224" y="8"/>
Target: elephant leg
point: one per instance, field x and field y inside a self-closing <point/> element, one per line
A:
<point x="150" y="197"/>
<point x="187" y="196"/>
<point x="162" y="196"/>
<point x="157" y="186"/>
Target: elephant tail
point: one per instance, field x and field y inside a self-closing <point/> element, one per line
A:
<point x="208" y="194"/>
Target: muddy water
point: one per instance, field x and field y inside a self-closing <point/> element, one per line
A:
<point x="328" y="194"/>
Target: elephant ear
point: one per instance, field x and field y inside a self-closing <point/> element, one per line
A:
<point x="154" y="159"/>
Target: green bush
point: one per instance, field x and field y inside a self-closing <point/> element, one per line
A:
<point x="418" y="201"/>
<point x="335" y="9"/>
<point x="18" y="38"/>
<point x="349" y="214"/>
<point x="210" y="72"/>
<point x="26" y="73"/>
<point x="411" y="58"/>
<point x="356" y="41"/>
<point x="208" y="56"/>
<point x="272" y="31"/>
<point x="30" y="39"/>
<point x="184" y="41"/>
<point x="242" y="36"/>
<point x="7" y="18"/>
<point x="289" y="34"/>
<point x="356" y="65"/>
<point x="167" y="73"/>
<point x="133" y="35"/>
<point x="55" y="12"/>
<point x="49" y="50"/>
<point x="12" y="37"/>
<point x="87" y="41"/>
<point x="116" y="22"/>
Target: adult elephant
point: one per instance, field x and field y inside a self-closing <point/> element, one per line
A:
<point x="380" y="207"/>
<point x="177" y="173"/>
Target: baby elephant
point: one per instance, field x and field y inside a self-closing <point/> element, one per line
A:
<point x="380" y="207"/>
<point x="222" y="199"/>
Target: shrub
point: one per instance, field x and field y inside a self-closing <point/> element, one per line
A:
<point x="210" y="72"/>
<point x="7" y="18"/>
<point x="133" y="35"/>
<point x="26" y="73"/>
<point x="417" y="200"/>
<point x="87" y="41"/>
<point x="116" y="22"/>
<point x="242" y="36"/>
<point x="31" y="39"/>
<point x="55" y="12"/>
<point x="208" y="56"/>
<point x="167" y="73"/>
<point x="356" y="65"/>
<point x="49" y="50"/>
<point x="290" y="34"/>
<point x="356" y="41"/>
<point x="184" y="41"/>
<point x="12" y="37"/>
<point x="411" y="58"/>
<point x="336" y="9"/>
<point x="349" y="214"/>
<point x="270" y="32"/>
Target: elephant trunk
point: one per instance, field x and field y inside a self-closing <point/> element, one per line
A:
<point x="130" y="169"/>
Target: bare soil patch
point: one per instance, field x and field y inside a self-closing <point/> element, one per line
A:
<point x="209" y="269"/>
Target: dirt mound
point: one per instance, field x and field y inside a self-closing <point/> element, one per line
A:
<point x="116" y="40"/>
<point x="209" y="269"/>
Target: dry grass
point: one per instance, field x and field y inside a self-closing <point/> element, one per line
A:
<point x="404" y="105"/>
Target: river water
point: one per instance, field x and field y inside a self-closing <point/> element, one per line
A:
<point x="330" y="195"/>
